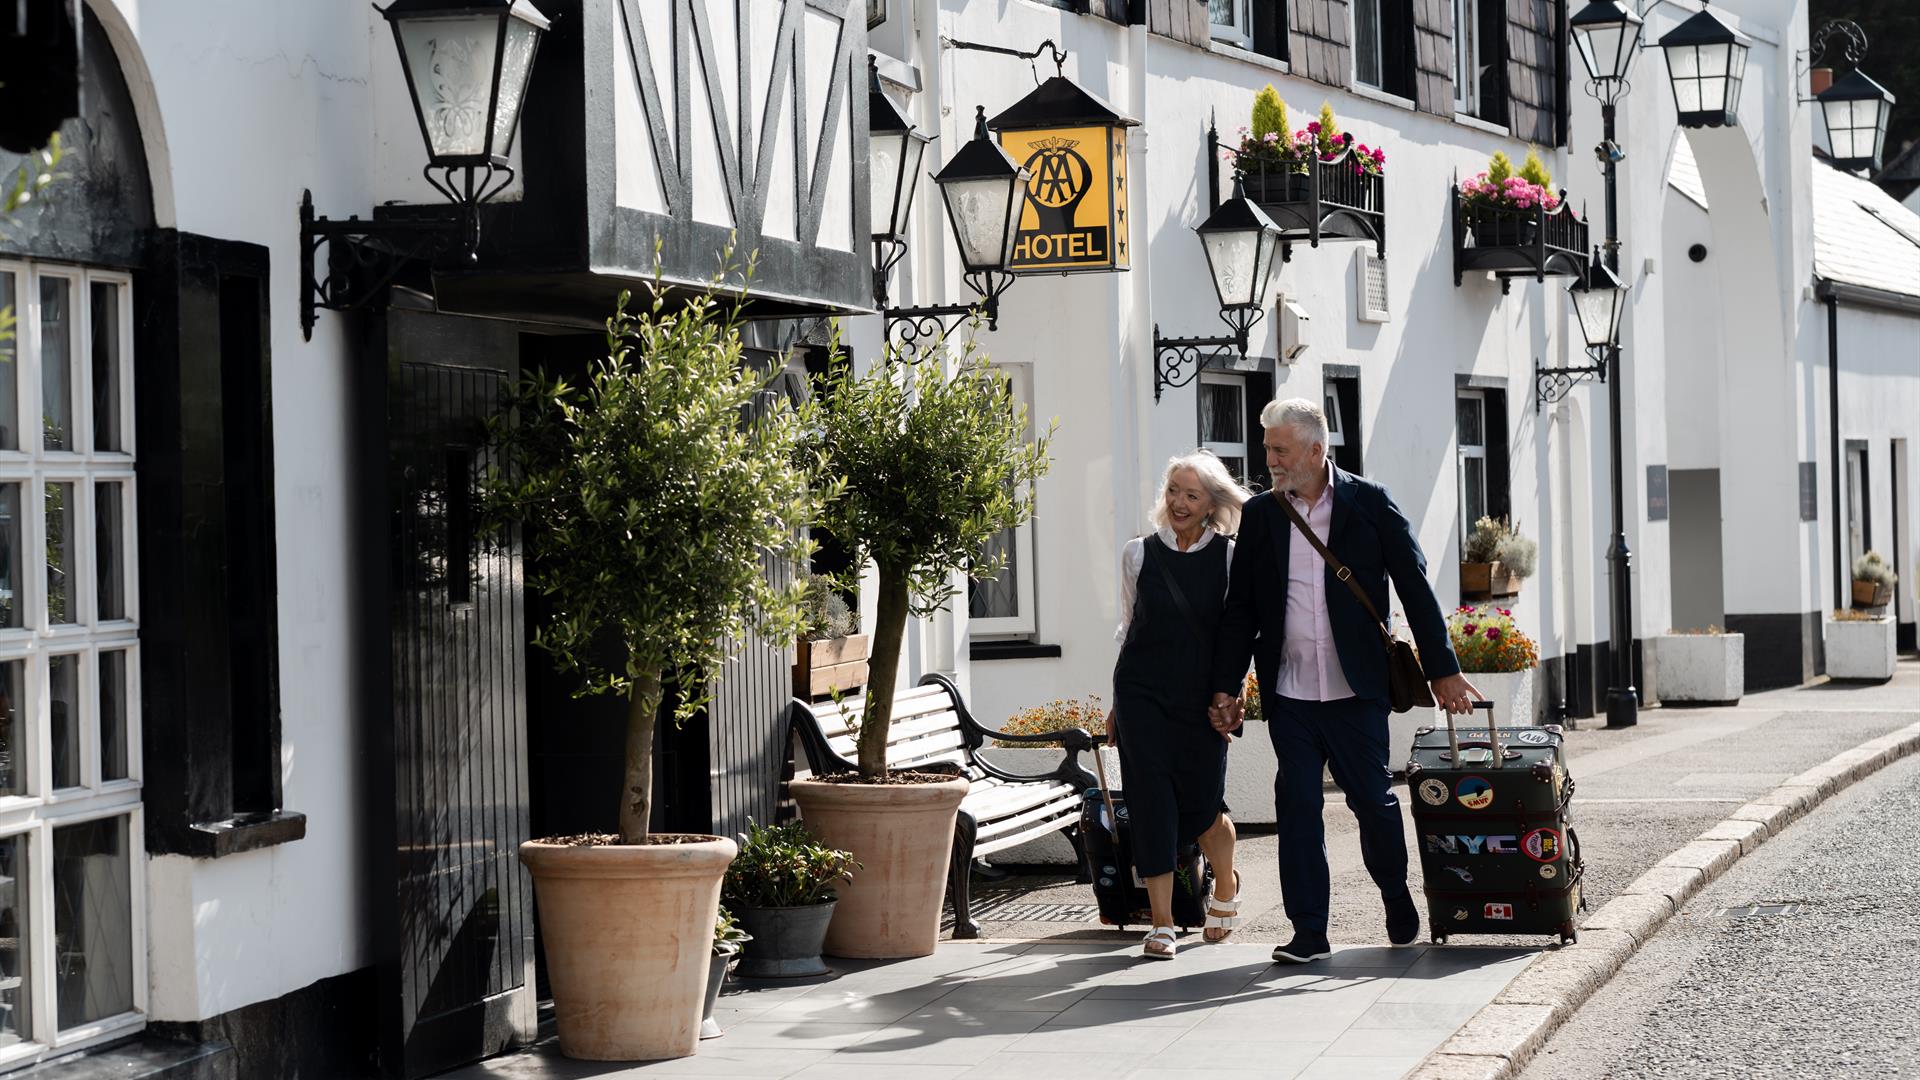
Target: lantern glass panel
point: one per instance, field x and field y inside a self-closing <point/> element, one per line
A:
<point x="450" y="62"/>
<point x="1600" y="50"/>
<point x="516" y="67"/>
<point x="1234" y="257"/>
<point x="1597" y="311"/>
<point x="884" y="151"/>
<point x="984" y="214"/>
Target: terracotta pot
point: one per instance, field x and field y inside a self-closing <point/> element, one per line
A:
<point x="628" y="932"/>
<point x="902" y="834"/>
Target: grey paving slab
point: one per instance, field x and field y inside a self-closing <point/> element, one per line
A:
<point x="1359" y="1068"/>
<point x="1013" y="1066"/>
<point x="1206" y="1050"/>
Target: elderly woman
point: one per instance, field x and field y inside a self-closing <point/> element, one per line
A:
<point x="1173" y="587"/>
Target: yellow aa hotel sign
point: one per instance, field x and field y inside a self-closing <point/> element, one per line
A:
<point x="1076" y="213"/>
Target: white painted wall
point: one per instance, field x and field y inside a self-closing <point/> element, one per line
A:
<point x="1879" y="402"/>
<point x="257" y="101"/>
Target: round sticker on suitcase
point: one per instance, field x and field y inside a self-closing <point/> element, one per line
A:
<point x="1433" y="792"/>
<point x="1541" y="845"/>
<point x="1534" y="737"/>
<point x="1474" y="792"/>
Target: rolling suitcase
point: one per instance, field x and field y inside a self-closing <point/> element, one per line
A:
<point x="1117" y="888"/>
<point x="1490" y="817"/>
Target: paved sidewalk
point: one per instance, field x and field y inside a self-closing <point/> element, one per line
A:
<point x="1069" y="1011"/>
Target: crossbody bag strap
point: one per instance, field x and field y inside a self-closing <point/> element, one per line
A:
<point x="1340" y="569"/>
<point x="1173" y="586"/>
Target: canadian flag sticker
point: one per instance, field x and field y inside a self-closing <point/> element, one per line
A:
<point x="1498" y="911"/>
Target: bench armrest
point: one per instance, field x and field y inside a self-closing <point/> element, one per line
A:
<point x="1070" y="738"/>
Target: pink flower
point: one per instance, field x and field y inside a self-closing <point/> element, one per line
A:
<point x="1493" y="633"/>
<point x="1380" y="155"/>
<point x="1471" y="629"/>
<point x="1314" y="126"/>
<point x="1505" y="611"/>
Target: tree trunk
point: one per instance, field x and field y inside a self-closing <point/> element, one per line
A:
<point x="636" y="804"/>
<point x="883" y="670"/>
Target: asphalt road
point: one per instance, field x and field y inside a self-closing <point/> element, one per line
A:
<point x="1829" y="988"/>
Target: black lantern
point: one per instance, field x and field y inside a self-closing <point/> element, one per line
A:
<point x="984" y="191"/>
<point x="467" y="64"/>
<point x="1707" y="62"/>
<point x="1855" y="109"/>
<point x="895" y="151"/>
<point x="1598" y="303"/>
<point x="1240" y="242"/>
<point x="1607" y="33"/>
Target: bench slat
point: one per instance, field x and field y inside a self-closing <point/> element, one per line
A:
<point x="1004" y="800"/>
<point x="1068" y="806"/>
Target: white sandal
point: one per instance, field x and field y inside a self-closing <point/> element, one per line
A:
<point x="1223" y="914"/>
<point x="1162" y="935"/>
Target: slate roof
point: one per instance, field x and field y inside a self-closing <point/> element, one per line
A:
<point x="1862" y="235"/>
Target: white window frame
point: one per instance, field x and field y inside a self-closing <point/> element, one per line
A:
<point x="1372" y="46"/>
<point x="1238" y="30"/>
<point x="1470" y="452"/>
<point x="1336" y="416"/>
<point x="1229" y="450"/>
<point x="1019" y="381"/>
<point x="41" y="810"/>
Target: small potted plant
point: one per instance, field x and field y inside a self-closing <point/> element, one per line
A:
<point x="781" y="888"/>
<point x="728" y="938"/>
<point x="1502" y="204"/>
<point x="1860" y="646"/>
<point x="1497" y="559"/>
<point x="1702" y="667"/>
<point x="831" y="655"/>
<point x="1498" y="659"/>
<point x="1873" y="580"/>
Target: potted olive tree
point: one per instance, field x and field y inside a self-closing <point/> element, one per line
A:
<point x="935" y="466"/>
<point x="782" y="885"/>
<point x="655" y="506"/>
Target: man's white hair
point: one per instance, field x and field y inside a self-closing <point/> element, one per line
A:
<point x="1302" y="415"/>
<point x="1227" y="494"/>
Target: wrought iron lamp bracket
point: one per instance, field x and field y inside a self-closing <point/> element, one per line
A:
<point x="1177" y="361"/>
<point x="1550" y="385"/>
<point x="909" y="327"/>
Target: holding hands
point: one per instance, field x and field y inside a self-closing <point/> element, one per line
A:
<point x="1225" y="714"/>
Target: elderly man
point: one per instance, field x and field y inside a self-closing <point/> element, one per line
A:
<point x="1322" y="665"/>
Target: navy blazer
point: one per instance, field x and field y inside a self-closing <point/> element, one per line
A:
<point x="1373" y="538"/>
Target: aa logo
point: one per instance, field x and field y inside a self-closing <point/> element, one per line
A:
<point x="1059" y="176"/>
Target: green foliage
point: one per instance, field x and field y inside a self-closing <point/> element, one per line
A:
<point x="1060" y="714"/>
<point x="1534" y="171"/>
<point x="1496" y="540"/>
<point x="1484" y="542"/>
<point x="657" y="507"/>
<point x="1499" y="167"/>
<point x="1269" y="114"/>
<point x="727" y="935"/>
<point x="1329" y="134"/>
<point x="1486" y="639"/>
<point x="784" y="866"/>
<point x="827" y="615"/>
<point x="1874" y="567"/>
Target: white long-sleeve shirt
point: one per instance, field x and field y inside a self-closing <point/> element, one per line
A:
<point x="1134" y="556"/>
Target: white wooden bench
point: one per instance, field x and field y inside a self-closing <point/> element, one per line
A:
<point x="932" y="731"/>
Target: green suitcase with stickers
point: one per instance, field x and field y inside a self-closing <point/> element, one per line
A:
<point x="1490" y="819"/>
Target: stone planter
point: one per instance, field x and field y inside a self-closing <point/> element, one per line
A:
<point x="1707" y="669"/>
<point x="716" y="978"/>
<point x="786" y="941"/>
<point x="1860" y="649"/>
<point x="902" y="835"/>
<point x="628" y="931"/>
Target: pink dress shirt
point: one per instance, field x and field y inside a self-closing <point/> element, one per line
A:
<point x="1309" y="665"/>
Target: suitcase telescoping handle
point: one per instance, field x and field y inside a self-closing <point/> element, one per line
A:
<point x="1106" y="793"/>
<point x="1493" y="734"/>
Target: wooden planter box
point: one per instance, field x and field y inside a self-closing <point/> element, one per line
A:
<point x="1871" y="594"/>
<point x="821" y="667"/>
<point x="1484" y="580"/>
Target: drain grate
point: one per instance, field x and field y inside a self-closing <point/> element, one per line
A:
<point x="1752" y="911"/>
<point x="1040" y="913"/>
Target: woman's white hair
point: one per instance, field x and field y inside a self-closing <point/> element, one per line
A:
<point x="1227" y="494"/>
<point x="1302" y="415"/>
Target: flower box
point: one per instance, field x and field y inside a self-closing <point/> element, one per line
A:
<point x="1482" y="580"/>
<point x="1278" y="187"/>
<point x="1860" y="649"/>
<point x="1871" y="594"/>
<point x="822" y="666"/>
<point x="1701" y="669"/>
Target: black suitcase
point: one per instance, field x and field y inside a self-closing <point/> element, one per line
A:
<point x="1117" y="889"/>
<point x="1497" y="855"/>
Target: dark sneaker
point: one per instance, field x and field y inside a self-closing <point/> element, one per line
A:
<point x="1303" y="949"/>
<point x="1403" y="921"/>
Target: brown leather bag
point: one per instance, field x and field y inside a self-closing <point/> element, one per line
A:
<point x="1407" y="686"/>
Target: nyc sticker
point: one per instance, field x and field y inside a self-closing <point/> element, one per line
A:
<point x="1474" y="793"/>
<point x="1433" y="792"/>
<point x="1503" y="912"/>
<point x="1541" y="845"/>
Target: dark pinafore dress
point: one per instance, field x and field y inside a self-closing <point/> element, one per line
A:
<point x="1173" y="762"/>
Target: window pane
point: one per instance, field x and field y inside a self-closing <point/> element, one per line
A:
<point x="110" y="548"/>
<point x="1366" y="41"/>
<point x="1237" y="467"/>
<point x="12" y="599"/>
<point x="1472" y="432"/>
<point x="1222" y="417"/>
<point x="997" y="597"/>
<point x="113" y="715"/>
<point x="13" y="734"/>
<point x="106" y="366"/>
<point x="56" y="361"/>
<point x="15" y="947"/>
<point x="63" y="694"/>
<point x="1474" y="478"/>
<point x="59" y="552"/>
<point x="10" y="367"/>
<point x="1224" y="13"/>
<point x="93" y="921"/>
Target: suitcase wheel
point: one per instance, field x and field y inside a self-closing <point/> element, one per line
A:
<point x="1569" y="935"/>
<point x="1437" y="938"/>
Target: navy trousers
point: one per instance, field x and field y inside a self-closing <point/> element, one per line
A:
<point x="1349" y="739"/>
